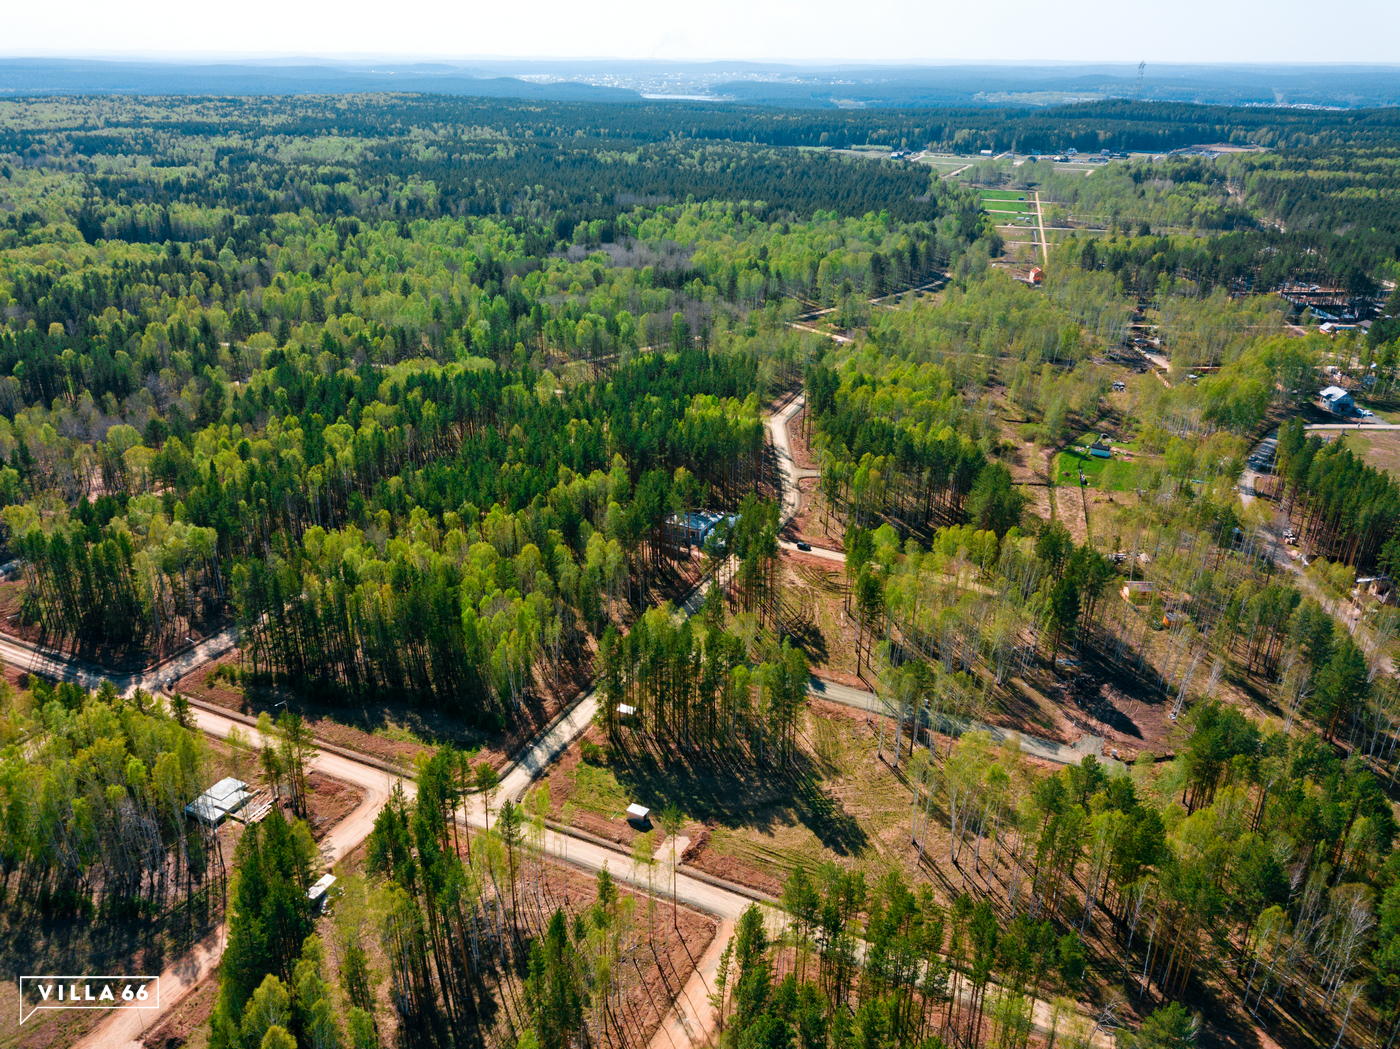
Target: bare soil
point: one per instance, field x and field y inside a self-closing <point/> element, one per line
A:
<point x="800" y="441"/>
<point x="813" y="523"/>
<point x="812" y="616"/>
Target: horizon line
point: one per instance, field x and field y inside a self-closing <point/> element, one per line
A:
<point x="221" y="57"/>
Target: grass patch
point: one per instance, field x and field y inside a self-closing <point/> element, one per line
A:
<point x="1112" y="475"/>
<point x="597" y="790"/>
<point x="1380" y="448"/>
<point x="398" y="732"/>
<point x="1004" y="207"/>
<point x="849" y="782"/>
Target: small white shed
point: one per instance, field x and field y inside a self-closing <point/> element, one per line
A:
<point x="318" y="894"/>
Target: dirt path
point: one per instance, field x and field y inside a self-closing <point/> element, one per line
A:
<point x="692" y="1020"/>
<point x="1040" y="222"/>
<point x="125" y="1028"/>
<point x="817" y="331"/>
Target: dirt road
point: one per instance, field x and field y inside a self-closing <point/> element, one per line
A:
<point x="51" y="664"/>
<point x="787" y="466"/>
<point x="125" y="1028"/>
<point x="791" y="475"/>
<point x="1033" y="746"/>
<point x="1040" y="222"/>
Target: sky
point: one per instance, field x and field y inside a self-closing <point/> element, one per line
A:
<point x="1235" y="31"/>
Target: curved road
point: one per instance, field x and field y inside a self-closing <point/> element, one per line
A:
<point x="691" y="1018"/>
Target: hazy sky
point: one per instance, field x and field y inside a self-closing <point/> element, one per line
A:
<point x="854" y="30"/>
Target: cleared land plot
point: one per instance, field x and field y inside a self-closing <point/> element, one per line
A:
<point x="811" y="615"/>
<point x="947" y="161"/>
<point x="1117" y="474"/>
<point x="1013" y="203"/>
<point x="1380" y="448"/>
<point x="838" y="802"/>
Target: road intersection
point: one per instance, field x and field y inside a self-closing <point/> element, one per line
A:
<point x="690" y="1022"/>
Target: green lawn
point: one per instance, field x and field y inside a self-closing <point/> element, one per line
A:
<point x="597" y="790"/>
<point x="1115" y="475"/>
<point x="1002" y="201"/>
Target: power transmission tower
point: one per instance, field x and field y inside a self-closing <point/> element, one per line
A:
<point x="1142" y="68"/>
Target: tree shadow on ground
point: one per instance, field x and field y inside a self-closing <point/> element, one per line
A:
<point x="798" y="626"/>
<point x="738" y="789"/>
<point x="49" y="937"/>
<point x="1120" y="689"/>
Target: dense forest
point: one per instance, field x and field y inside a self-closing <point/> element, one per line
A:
<point x="413" y="396"/>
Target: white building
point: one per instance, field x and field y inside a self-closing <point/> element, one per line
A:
<point x="1337" y="401"/>
<point x="220" y="801"/>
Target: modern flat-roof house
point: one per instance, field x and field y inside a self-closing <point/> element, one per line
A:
<point x="220" y="801"/>
<point x="693" y="527"/>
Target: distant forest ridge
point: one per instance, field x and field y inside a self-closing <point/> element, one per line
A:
<point x="1121" y="124"/>
<point x="855" y="86"/>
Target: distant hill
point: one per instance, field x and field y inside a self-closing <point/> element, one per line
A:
<point x="770" y="84"/>
<point x="47" y="76"/>
<point x="1345" y="87"/>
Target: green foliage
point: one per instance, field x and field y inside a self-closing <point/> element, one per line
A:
<point x="93" y="774"/>
<point x="1170" y="1027"/>
<point x="269" y="916"/>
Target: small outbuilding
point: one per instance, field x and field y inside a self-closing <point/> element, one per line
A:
<point x="1378" y="586"/>
<point x="319" y="894"/>
<point x="1138" y="591"/>
<point x="626" y="710"/>
<point x="638" y="814"/>
<point x="219" y="802"/>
